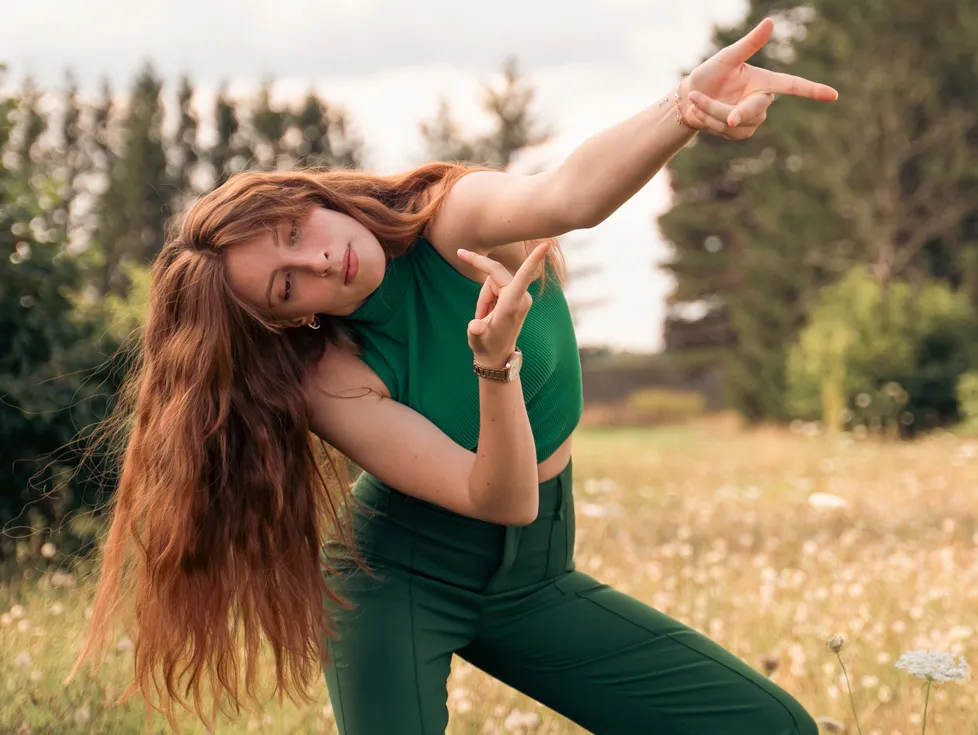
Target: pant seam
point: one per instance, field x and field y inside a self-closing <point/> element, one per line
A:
<point x="739" y="674"/>
<point x="414" y="630"/>
<point x="679" y="727"/>
<point x="338" y="705"/>
<point x="672" y="636"/>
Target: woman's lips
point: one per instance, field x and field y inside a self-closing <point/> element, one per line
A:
<point x="351" y="264"/>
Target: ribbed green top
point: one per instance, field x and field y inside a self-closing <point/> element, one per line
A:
<point x="413" y="333"/>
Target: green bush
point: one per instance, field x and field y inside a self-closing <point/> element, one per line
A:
<point x="968" y="397"/>
<point x="882" y="356"/>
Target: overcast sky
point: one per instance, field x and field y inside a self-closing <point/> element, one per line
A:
<point x="593" y="62"/>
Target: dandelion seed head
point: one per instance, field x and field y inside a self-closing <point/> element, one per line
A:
<point x="770" y="663"/>
<point x="836" y="643"/>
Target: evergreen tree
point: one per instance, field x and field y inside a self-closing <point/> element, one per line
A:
<point x="884" y="176"/>
<point x="230" y="153"/>
<point x="325" y="136"/>
<point x="514" y="127"/>
<point x="184" y="153"/>
<point x="32" y="124"/>
<point x="267" y="124"/>
<point x="445" y="141"/>
<point x="73" y="157"/>
<point x="135" y="205"/>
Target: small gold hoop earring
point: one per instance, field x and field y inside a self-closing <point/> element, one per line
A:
<point x="314" y="324"/>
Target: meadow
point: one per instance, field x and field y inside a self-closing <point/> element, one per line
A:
<point x="768" y="540"/>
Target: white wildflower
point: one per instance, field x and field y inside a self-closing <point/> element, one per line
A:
<point x="934" y="666"/>
<point x="23" y="625"/>
<point x="124" y="644"/>
<point x="591" y="510"/>
<point x="827" y="501"/>
<point x="5" y="619"/>
<point x="82" y="715"/>
<point x="48" y="550"/>
<point x="17" y="612"/>
<point x="517" y="721"/>
<point x="23" y="660"/>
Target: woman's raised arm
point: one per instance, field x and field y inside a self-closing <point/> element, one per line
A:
<point x="724" y="95"/>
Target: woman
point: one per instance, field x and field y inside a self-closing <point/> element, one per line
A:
<point x="464" y="557"/>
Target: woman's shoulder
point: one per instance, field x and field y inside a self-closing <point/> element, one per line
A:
<point x="341" y="373"/>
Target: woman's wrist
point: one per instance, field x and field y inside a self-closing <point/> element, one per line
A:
<point x="680" y="99"/>
<point x="494" y="362"/>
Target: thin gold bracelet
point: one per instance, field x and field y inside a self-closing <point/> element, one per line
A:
<point x="679" y="110"/>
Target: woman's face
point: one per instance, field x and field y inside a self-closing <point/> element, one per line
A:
<point x="324" y="263"/>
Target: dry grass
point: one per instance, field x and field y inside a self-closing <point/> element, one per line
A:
<point x="710" y="524"/>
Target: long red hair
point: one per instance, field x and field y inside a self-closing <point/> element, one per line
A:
<point x="224" y="503"/>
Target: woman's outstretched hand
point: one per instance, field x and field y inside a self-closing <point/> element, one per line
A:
<point x="503" y="305"/>
<point x="728" y="97"/>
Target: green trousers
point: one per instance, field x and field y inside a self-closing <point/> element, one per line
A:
<point x="509" y="601"/>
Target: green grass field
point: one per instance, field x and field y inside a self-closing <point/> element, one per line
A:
<point x="709" y="523"/>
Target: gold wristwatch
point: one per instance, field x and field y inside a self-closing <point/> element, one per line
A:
<point x="507" y="373"/>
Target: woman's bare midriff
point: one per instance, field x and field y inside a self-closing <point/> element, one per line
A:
<point x="555" y="463"/>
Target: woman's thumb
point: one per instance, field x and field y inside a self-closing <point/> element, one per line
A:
<point x="477" y="327"/>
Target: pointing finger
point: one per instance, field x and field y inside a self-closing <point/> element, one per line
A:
<point x="740" y="51"/>
<point x="527" y="272"/>
<point x="781" y="83"/>
<point x="496" y="271"/>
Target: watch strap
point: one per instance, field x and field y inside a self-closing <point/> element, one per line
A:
<point x="491" y="373"/>
<point x="501" y="374"/>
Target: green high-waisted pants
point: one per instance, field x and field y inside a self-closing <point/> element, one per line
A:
<point x="509" y="601"/>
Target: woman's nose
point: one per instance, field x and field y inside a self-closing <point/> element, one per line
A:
<point x="320" y="264"/>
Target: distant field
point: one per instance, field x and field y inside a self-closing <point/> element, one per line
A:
<point x="709" y="523"/>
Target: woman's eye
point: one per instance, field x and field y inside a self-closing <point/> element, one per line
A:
<point x="288" y="286"/>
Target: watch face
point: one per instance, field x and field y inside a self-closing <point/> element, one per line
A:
<point x="514" y="368"/>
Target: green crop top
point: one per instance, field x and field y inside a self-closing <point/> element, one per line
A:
<point x="412" y="331"/>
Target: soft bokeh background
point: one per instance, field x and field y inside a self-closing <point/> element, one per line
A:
<point x="777" y="335"/>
